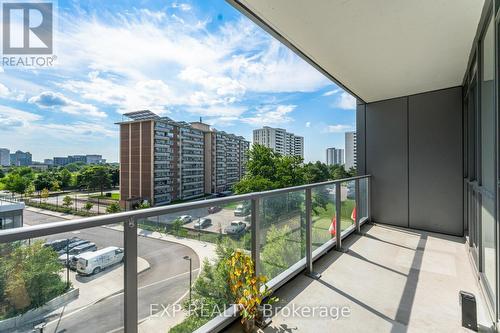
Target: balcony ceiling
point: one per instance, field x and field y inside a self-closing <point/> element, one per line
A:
<point x="377" y="49"/>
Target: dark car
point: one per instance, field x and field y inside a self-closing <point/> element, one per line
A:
<point x="214" y="209"/>
<point x="235" y="228"/>
<point x="72" y="245"/>
<point x="202" y="223"/>
<point x="60" y="244"/>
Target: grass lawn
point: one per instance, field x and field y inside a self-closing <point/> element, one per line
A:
<point x="114" y="196"/>
<point x="323" y="218"/>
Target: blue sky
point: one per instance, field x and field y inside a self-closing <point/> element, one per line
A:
<point x="184" y="60"/>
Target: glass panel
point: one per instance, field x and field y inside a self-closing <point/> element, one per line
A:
<point x="487" y="111"/>
<point x="363" y="198"/>
<point x="348" y="205"/>
<point x="323" y="214"/>
<point x="487" y="137"/>
<point x="84" y="296"/>
<point x="175" y="246"/>
<point x="282" y="232"/>
<point x="488" y="240"/>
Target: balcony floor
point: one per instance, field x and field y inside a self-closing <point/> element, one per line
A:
<point x="393" y="280"/>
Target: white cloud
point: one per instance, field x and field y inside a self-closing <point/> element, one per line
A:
<point x="270" y="115"/>
<point x="55" y="100"/>
<point x="182" y="6"/>
<point x="308" y="124"/>
<point x="217" y="111"/>
<point x="338" y="128"/>
<point x="332" y="92"/>
<point x="11" y="118"/>
<point x="156" y="50"/>
<point x="79" y="130"/>
<point x="4" y="91"/>
<point x="346" y="101"/>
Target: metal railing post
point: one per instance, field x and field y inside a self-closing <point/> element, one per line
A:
<point x="130" y="276"/>
<point x="357" y="206"/>
<point x="255" y="227"/>
<point x="309" y="259"/>
<point x="338" y="218"/>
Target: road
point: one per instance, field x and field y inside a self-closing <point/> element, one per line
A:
<point x="164" y="283"/>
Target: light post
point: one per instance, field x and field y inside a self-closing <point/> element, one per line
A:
<point x="190" y="276"/>
<point x="67" y="263"/>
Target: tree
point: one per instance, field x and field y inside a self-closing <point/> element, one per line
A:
<point x="44" y="194"/>
<point x="115" y="176"/>
<point x="55" y="186"/>
<point x="113" y="208"/>
<point x="316" y="172"/>
<point x="67" y="201"/>
<point x="31" y="277"/>
<point x="250" y="184"/>
<point x="43" y="180"/>
<point x="16" y="183"/>
<point x="2" y="173"/>
<point x="64" y="178"/>
<point x="338" y="172"/>
<point x="280" y="251"/>
<point x="88" y="206"/>
<point x="95" y="177"/>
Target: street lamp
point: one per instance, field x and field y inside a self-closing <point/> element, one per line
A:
<point x="190" y="276"/>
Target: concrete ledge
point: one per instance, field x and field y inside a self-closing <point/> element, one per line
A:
<point x="33" y="314"/>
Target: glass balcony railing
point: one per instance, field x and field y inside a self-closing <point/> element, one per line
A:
<point x="169" y="256"/>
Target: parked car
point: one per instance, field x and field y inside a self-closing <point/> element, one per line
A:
<point x="186" y="218"/>
<point x="67" y="259"/>
<point x="59" y="244"/>
<point x="202" y="223"/>
<point x="72" y="245"/>
<point x="241" y="210"/>
<point x="236" y="228"/>
<point x="94" y="262"/>
<point x="214" y="209"/>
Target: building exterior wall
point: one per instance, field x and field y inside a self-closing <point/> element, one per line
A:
<point x="20" y="158"/>
<point x="413" y="149"/>
<point x="350" y="150"/>
<point x="4" y="157"/>
<point x="162" y="160"/>
<point x="280" y="141"/>
<point x="334" y="156"/>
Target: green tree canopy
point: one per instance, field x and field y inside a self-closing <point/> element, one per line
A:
<point x="95" y="177"/>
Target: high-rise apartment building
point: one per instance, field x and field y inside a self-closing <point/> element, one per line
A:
<point x="280" y="141"/>
<point x="162" y="160"/>
<point x="20" y="158"/>
<point x="4" y="157"/>
<point x="334" y="156"/>
<point x="350" y="150"/>
<point x="85" y="159"/>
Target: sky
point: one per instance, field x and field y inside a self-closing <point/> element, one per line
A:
<point x="184" y="60"/>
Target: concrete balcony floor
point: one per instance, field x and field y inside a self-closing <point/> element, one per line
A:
<point x="392" y="280"/>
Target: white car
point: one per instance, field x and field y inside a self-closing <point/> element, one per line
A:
<point x="186" y="218"/>
<point x="94" y="262"/>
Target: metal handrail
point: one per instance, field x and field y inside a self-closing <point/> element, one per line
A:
<point x="46" y="229"/>
<point x="130" y="219"/>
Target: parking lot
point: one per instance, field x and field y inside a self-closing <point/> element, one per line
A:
<point x="220" y="220"/>
<point x="164" y="282"/>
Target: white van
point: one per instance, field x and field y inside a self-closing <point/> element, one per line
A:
<point x="94" y="262"/>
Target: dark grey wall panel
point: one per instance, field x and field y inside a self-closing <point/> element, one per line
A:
<point x="435" y="161"/>
<point x="387" y="160"/>
<point x="360" y="139"/>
